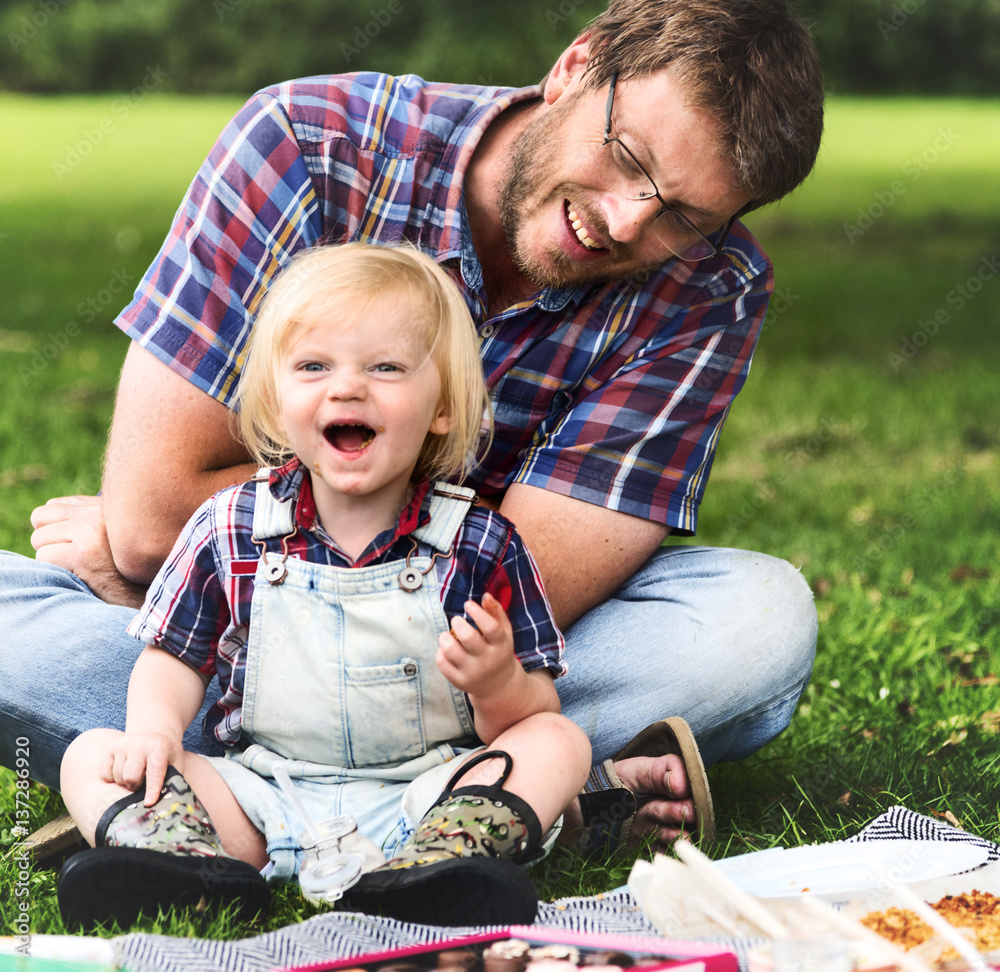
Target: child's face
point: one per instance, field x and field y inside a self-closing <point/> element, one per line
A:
<point x="358" y="397"/>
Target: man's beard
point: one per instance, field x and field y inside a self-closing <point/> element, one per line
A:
<point x="523" y="181"/>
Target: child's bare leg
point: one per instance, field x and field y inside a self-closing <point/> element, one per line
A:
<point x="551" y="759"/>
<point x="87" y="795"/>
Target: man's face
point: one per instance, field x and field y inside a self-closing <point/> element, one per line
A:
<point x="565" y="204"/>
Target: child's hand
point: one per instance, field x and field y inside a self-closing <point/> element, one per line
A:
<point x="482" y="662"/>
<point x="138" y="756"/>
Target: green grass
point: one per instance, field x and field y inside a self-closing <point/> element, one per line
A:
<point x="876" y="476"/>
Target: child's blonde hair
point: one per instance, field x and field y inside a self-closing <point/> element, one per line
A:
<point x="350" y="279"/>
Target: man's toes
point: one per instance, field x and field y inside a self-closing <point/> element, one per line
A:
<point x="660" y="775"/>
<point x="668" y="813"/>
<point x="665" y="821"/>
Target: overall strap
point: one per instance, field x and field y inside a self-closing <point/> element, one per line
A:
<point x="448" y="508"/>
<point x="271" y="518"/>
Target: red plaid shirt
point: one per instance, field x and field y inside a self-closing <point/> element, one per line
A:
<point x="614" y="394"/>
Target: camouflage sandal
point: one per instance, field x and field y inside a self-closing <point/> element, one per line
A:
<point x="151" y="859"/>
<point x="461" y="865"/>
<point x="608" y="807"/>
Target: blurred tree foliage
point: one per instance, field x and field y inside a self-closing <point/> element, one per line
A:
<point x="877" y="46"/>
<point x="948" y="47"/>
<point x="242" y="45"/>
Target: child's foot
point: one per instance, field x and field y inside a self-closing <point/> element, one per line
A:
<point x="452" y="891"/>
<point x="458" y="868"/>
<point x="156" y="858"/>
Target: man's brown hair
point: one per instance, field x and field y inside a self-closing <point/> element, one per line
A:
<point x="751" y="64"/>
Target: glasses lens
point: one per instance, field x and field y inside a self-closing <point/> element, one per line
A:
<point x="631" y="176"/>
<point x="682" y="238"/>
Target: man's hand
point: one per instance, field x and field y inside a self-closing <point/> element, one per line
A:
<point x="480" y="663"/>
<point x="138" y="756"/>
<point x="69" y="532"/>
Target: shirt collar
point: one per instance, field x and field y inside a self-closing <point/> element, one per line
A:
<point x="455" y="240"/>
<point x="290" y="482"/>
<point x="479" y="119"/>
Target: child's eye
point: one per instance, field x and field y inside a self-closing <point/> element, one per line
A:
<point x="311" y="366"/>
<point x="386" y="368"/>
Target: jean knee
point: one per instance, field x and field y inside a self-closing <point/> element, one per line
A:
<point x="788" y="610"/>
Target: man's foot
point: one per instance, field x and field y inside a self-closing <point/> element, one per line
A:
<point x="665" y="808"/>
<point x="52" y="843"/>
<point x="655" y="788"/>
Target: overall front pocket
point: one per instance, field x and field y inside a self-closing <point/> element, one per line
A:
<point x="383" y="715"/>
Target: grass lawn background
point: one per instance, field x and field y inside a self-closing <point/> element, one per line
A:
<point x="865" y="448"/>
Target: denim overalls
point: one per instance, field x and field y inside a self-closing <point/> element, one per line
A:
<point x="341" y="685"/>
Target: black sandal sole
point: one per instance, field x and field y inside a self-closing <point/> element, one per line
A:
<point x="460" y="891"/>
<point x="119" y="883"/>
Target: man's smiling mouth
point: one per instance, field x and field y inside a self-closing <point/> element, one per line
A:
<point x="349" y="438"/>
<point x="579" y="230"/>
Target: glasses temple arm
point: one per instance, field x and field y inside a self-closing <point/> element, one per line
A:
<point x="610" y="104"/>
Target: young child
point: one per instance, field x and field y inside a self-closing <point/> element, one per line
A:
<point x="374" y="632"/>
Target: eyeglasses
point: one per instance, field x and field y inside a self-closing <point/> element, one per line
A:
<point x="672" y="228"/>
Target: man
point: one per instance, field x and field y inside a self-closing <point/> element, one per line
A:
<point x="592" y="227"/>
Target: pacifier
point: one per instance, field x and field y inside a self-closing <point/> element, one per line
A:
<point x="334" y="853"/>
<point x="334" y="856"/>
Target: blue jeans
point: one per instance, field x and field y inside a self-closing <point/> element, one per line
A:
<point x="724" y="638"/>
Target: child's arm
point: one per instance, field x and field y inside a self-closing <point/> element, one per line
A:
<point x="164" y="695"/>
<point x="483" y="665"/>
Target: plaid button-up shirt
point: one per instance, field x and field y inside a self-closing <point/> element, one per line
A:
<point x="198" y="606"/>
<point x="613" y="393"/>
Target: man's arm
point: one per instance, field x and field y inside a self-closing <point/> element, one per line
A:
<point x="584" y="552"/>
<point x="171" y="446"/>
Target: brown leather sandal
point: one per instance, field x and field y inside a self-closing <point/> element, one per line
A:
<point x="608" y="807"/>
<point x="53" y="842"/>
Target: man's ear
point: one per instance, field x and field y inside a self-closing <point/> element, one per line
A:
<point x="568" y="70"/>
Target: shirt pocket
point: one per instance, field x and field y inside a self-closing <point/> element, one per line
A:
<point x="516" y="422"/>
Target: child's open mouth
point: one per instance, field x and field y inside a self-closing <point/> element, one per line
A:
<point x="349" y="438"/>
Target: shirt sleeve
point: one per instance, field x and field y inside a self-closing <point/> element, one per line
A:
<point x="639" y="435"/>
<point x="250" y="207"/>
<point x="516" y="583"/>
<point x="186" y="610"/>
